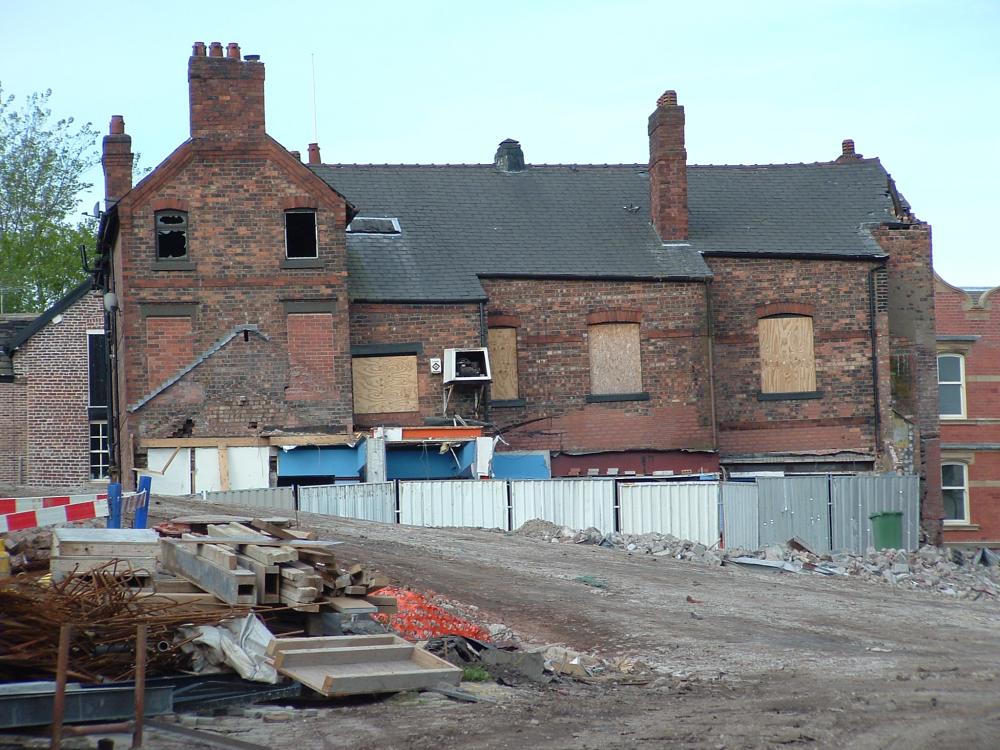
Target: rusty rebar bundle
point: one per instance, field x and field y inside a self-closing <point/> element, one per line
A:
<point x="104" y="611"/>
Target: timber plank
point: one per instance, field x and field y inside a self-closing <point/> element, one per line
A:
<point x="233" y="586"/>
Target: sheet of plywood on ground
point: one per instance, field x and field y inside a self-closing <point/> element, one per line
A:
<point x="787" y="361"/>
<point x="503" y="363"/>
<point x="385" y="384"/>
<point x="233" y="586"/>
<point x="615" y="359"/>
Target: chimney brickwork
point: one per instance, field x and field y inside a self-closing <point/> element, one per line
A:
<point x="668" y="204"/>
<point x="227" y="94"/>
<point x="116" y="158"/>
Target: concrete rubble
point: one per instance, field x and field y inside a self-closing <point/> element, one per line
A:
<point x="963" y="574"/>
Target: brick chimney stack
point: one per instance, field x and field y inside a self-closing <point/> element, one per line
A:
<point x="116" y="158"/>
<point x="314" y="157"/>
<point x="226" y="92"/>
<point x="668" y="203"/>
<point x="847" y="152"/>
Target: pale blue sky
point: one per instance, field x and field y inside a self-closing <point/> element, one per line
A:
<point x="914" y="83"/>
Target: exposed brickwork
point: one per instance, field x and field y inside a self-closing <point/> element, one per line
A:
<point x="169" y="350"/>
<point x="910" y="306"/>
<point x="973" y="315"/>
<point x="436" y="328"/>
<point x="45" y="434"/>
<point x="554" y="366"/>
<point x="668" y="203"/>
<point x="843" y="419"/>
<point x="236" y="184"/>
<point x="311" y="353"/>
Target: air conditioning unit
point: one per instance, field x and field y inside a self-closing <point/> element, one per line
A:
<point x="466" y="366"/>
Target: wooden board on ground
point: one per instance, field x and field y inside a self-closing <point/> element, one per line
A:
<point x="106" y="543"/>
<point x="351" y="665"/>
<point x="351" y="606"/>
<point x="266" y="525"/>
<point x="233" y="586"/>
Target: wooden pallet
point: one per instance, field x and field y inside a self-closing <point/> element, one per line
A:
<point x="355" y="664"/>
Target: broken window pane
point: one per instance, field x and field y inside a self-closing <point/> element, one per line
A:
<point x="300" y="234"/>
<point x="171" y="235"/>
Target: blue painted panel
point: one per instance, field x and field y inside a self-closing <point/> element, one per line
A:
<point x="427" y="462"/>
<point x="520" y="466"/>
<point x="313" y="461"/>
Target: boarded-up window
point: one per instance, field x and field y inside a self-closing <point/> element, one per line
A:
<point x="385" y="384"/>
<point x="503" y="363"/>
<point x="787" y="363"/>
<point x="615" y="361"/>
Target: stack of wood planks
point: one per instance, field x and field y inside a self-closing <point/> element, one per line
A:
<point x="81" y="550"/>
<point x="261" y="563"/>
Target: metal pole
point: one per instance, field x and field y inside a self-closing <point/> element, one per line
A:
<point x="140" y="684"/>
<point x="59" y="700"/>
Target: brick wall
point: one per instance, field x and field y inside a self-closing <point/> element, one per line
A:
<point x="972" y="315"/>
<point x="45" y="439"/>
<point x="554" y="366"/>
<point x="311" y="357"/>
<point x="436" y="328"/>
<point x="235" y="275"/>
<point x="169" y="348"/>
<point x="843" y="418"/>
<point x="911" y="316"/>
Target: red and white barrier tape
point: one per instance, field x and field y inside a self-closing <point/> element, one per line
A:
<point x="17" y="504"/>
<point x="28" y="519"/>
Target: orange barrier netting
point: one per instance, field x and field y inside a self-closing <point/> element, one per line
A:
<point x="417" y="619"/>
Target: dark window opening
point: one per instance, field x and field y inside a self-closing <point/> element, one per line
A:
<point x="300" y="234"/>
<point x="97" y="346"/>
<point x="100" y="454"/>
<point x="171" y="235"/>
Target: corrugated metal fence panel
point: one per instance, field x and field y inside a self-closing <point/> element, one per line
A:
<point x="270" y="497"/>
<point x="856" y="498"/>
<point x="688" y="510"/>
<point x="373" y="501"/>
<point x="740" y="524"/>
<point x="794" y="506"/>
<point x="454" y="503"/>
<point x="577" y="503"/>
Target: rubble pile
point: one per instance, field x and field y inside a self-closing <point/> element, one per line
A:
<point x="659" y="545"/>
<point x="950" y="571"/>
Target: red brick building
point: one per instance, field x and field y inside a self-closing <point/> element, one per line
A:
<point x="54" y="393"/>
<point x="968" y="340"/>
<point x="646" y="317"/>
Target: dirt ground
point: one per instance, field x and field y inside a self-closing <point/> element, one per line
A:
<point x="759" y="660"/>
<point x="762" y="660"/>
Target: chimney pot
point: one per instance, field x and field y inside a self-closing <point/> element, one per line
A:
<point x="847" y="147"/>
<point x="233" y="51"/>
<point x="117" y="125"/>
<point x="198" y="50"/>
<point x="314" y="157"/>
<point x="215" y="50"/>
<point x="667" y="99"/>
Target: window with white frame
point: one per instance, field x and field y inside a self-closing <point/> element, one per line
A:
<point x="100" y="456"/>
<point x="951" y="386"/>
<point x="955" y="492"/>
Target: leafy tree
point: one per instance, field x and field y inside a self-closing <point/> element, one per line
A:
<point x="42" y="167"/>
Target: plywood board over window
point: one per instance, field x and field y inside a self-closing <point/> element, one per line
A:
<point x="787" y="361"/>
<point x="385" y="384"/>
<point x="503" y="363"/>
<point x="615" y="359"/>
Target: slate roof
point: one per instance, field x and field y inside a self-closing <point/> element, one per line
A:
<point x="462" y="222"/>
